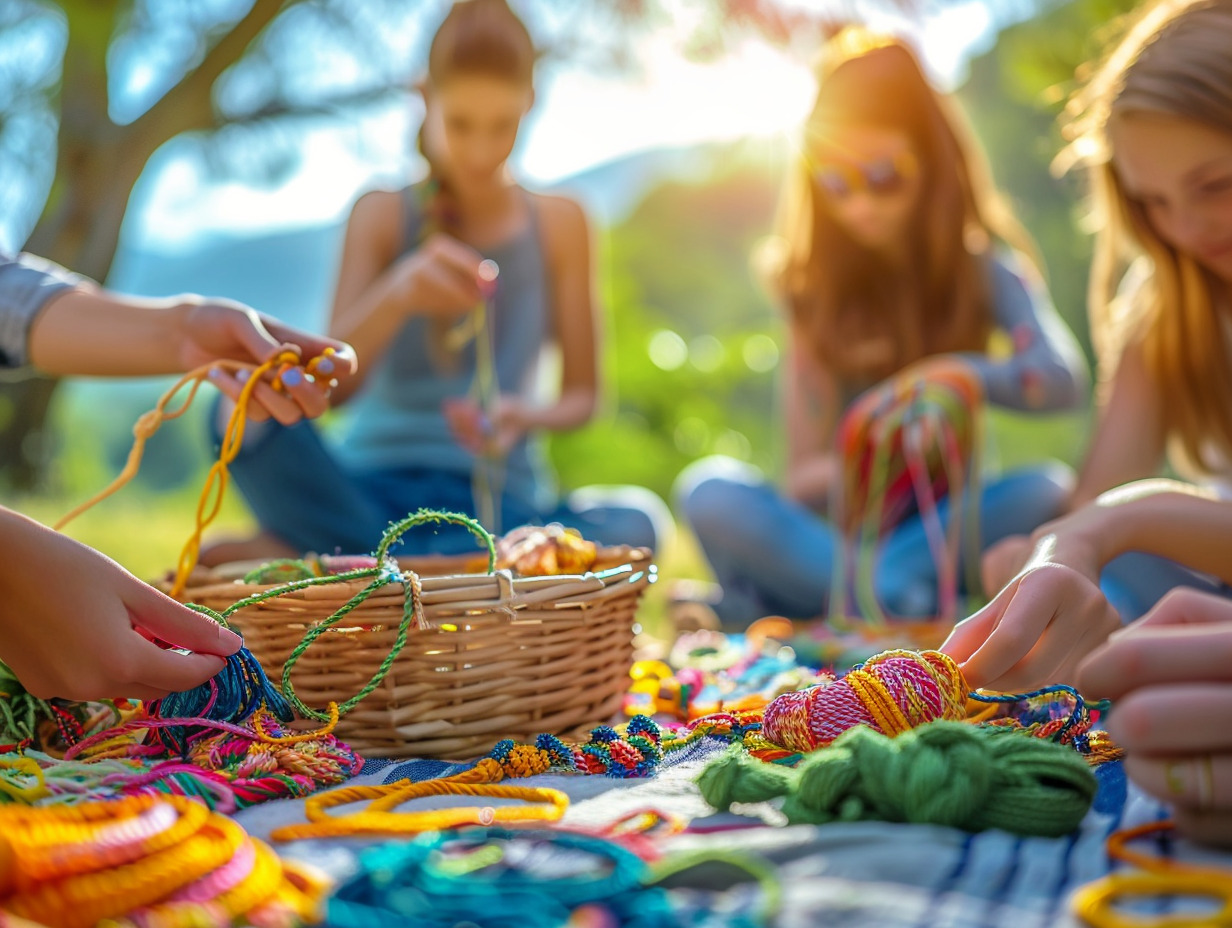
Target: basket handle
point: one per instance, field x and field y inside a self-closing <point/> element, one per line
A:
<point x="397" y="529"/>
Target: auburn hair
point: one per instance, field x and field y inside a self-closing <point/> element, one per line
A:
<point x="863" y="319"/>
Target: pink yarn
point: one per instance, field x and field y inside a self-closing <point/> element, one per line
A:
<point x="917" y="687"/>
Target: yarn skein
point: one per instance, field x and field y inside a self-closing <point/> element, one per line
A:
<point x="942" y="773"/>
<point x="891" y="693"/>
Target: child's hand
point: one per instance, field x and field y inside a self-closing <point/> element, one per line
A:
<point x="1002" y="561"/>
<point x="75" y="624"/>
<point x="474" y="432"/>
<point x="441" y="278"/>
<point x="217" y="330"/>
<point x="1037" y="629"/>
<point x="1170" y="676"/>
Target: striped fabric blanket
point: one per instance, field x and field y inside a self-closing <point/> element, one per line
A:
<point x="858" y="874"/>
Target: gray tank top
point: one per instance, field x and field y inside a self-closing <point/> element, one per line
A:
<point x="396" y="419"/>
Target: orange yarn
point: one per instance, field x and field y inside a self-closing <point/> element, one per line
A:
<point x="75" y="866"/>
<point x="891" y="693"/>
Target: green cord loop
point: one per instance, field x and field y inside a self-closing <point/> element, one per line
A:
<point x="386" y="571"/>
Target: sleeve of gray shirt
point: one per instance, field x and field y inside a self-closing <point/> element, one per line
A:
<point x="27" y="283"/>
<point x="1047" y="371"/>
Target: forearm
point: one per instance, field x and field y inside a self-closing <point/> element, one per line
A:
<point x="1046" y="370"/>
<point x="369" y="325"/>
<point x="90" y="332"/>
<point x="574" y="409"/>
<point x="1031" y="381"/>
<point x="1174" y="520"/>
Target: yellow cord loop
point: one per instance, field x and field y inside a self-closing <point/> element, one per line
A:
<point x="215" y="487"/>
<point x="548" y="805"/>
<point x="1095" y="903"/>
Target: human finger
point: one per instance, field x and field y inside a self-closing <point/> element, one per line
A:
<point x="1186" y="606"/>
<point x="172" y="622"/>
<point x="277" y="406"/>
<point x="1047" y="615"/>
<point x="231" y="386"/>
<point x="1199" y="782"/>
<point x="333" y="358"/>
<point x="249" y="329"/>
<point x="1205" y="826"/>
<point x="1002" y="561"/>
<point x="1158" y="655"/>
<point x="1182" y="718"/>
<point x="1027" y="612"/>
<point x="170" y="671"/>
<point x="312" y="399"/>
<point x="968" y="635"/>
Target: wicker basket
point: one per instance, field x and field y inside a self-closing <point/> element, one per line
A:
<point x="498" y="656"/>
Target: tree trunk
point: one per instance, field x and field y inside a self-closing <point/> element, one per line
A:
<point x="79" y="228"/>
<point x="97" y="166"/>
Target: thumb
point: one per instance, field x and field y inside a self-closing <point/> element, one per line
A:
<point x="176" y="624"/>
<point x="343" y="360"/>
<point x="969" y="634"/>
<point x="249" y="329"/>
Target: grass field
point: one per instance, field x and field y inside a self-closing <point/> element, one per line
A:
<point x="145" y="530"/>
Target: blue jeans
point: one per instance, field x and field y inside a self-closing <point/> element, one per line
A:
<point x="774" y="556"/>
<point x="301" y="494"/>
<point x="1135" y="582"/>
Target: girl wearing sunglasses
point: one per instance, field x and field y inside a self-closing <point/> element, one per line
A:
<point x="894" y="251"/>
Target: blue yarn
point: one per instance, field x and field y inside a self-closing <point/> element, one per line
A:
<point x="1080" y="704"/>
<point x="402" y="885"/>
<point x="234" y="695"/>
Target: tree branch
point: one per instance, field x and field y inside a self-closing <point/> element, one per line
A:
<point x="189" y="104"/>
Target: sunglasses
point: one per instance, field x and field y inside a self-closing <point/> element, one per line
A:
<point x="882" y="177"/>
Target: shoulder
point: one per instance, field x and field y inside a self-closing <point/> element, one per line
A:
<point x="378" y="207"/>
<point x="376" y="223"/>
<point x="1012" y="270"/>
<point x="563" y="221"/>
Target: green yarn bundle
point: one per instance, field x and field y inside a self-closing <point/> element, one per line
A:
<point x="942" y="773"/>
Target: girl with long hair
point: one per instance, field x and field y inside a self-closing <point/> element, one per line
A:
<point x="895" y="255"/>
<point x="1154" y="128"/>
<point x="451" y="290"/>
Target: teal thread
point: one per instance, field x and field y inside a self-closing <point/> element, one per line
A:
<point x="942" y="773"/>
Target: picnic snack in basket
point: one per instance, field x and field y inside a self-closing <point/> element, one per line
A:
<point x="527" y="551"/>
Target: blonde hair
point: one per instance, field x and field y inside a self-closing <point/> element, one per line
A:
<point x="1174" y="59"/>
<point x="837" y="292"/>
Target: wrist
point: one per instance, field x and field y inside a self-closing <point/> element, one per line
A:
<point x="172" y="324"/>
<point x="1094" y="535"/>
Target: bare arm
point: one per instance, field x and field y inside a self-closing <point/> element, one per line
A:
<point x="91" y="332"/>
<point x="574" y="314"/>
<point x="1174" y="520"/>
<point x="377" y="291"/>
<point x="810" y="398"/>
<point x="1129" y="439"/>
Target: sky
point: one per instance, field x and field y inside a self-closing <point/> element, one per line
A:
<point x="582" y="119"/>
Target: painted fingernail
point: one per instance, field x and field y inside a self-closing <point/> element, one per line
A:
<point x="242" y="375"/>
<point x="230" y="641"/>
<point x="293" y="378"/>
<point x="323" y="366"/>
<point x="214" y="374"/>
